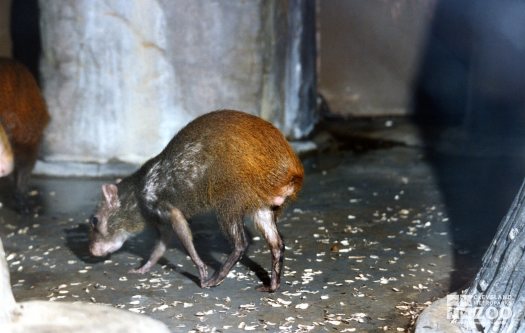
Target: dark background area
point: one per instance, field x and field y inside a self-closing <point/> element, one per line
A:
<point x="25" y="34"/>
<point x="469" y="92"/>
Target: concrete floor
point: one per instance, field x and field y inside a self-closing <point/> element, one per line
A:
<point x="374" y="236"/>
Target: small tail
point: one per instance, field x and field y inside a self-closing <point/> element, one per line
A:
<point x="297" y="182"/>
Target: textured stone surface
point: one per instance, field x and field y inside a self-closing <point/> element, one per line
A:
<point x="498" y="286"/>
<point x="8" y="304"/>
<point x="434" y="319"/>
<point x="301" y="93"/>
<point x="493" y="301"/>
<point x="121" y="78"/>
<point x="43" y="316"/>
<point x="369" y="54"/>
<point x="108" y="81"/>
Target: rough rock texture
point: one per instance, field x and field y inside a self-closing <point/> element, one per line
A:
<point x="108" y="81"/>
<point x="43" y="316"/>
<point x="370" y="53"/>
<point x="434" y="319"/>
<point x="121" y="77"/>
<point x="497" y="289"/>
<point x="495" y="299"/>
<point x="300" y="86"/>
<point x="8" y="305"/>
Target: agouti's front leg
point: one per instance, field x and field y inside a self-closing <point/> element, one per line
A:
<point x="182" y="229"/>
<point x="158" y="252"/>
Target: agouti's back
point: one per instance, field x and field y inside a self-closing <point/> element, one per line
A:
<point x="22" y="109"/>
<point x="231" y="160"/>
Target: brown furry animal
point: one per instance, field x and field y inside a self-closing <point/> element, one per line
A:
<point x="229" y="162"/>
<point x="23" y="115"/>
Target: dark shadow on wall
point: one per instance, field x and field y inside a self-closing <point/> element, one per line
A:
<point x="25" y="34"/>
<point x="469" y="99"/>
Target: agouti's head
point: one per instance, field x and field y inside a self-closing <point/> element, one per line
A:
<point x="110" y="225"/>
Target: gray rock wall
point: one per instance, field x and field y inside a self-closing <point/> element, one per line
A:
<point x="122" y="77"/>
<point x="5" y="40"/>
<point x="370" y="52"/>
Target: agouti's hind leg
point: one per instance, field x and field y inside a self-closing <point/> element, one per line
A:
<point x="25" y="158"/>
<point x="182" y="229"/>
<point x="234" y="229"/>
<point x="265" y="222"/>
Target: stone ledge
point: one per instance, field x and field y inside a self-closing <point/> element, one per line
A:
<point x="44" y="316"/>
<point x="434" y="319"/>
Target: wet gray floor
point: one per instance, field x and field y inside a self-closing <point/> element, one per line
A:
<point x="370" y="240"/>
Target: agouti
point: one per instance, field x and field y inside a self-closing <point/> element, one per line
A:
<point x="229" y="162"/>
<point x="23" y="116"/>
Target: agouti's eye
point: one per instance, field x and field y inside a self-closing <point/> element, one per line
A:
<point x="93" y="221"/>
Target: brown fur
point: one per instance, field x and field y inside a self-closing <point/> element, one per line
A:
<point x="254" y="156"/>
<point x="23" y="115"/>
<point x="233" y="163"/>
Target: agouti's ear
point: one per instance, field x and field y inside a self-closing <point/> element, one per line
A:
<point x="111" y="195"/>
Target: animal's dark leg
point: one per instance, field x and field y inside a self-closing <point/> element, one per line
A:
<point x="158" y="252"/>
<point x="234" y="229"/>
<point x="25" y="158"/>
<point x="182" y="229"/>
<point x="265" y="222"/>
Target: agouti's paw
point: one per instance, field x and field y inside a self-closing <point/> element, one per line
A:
<point x="140" y="270"/>
<point x="211" y="282"/>
<point x="23" y="205"/>
<point x="266" y="289"/>
<point x="208" y="283"/>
